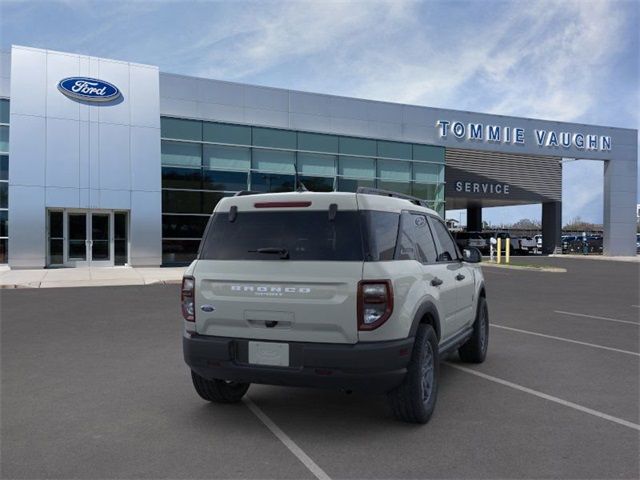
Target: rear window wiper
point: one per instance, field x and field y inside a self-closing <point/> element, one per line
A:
<point x="283" y="252"/>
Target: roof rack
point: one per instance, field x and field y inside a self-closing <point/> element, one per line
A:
<point x="388" y="193"/>
<point x="245" y="192"/>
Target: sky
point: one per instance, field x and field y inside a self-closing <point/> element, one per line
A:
<point x="568" y="60"/>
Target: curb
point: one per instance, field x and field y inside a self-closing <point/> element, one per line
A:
<point x="522" y="267"/>
<point x="35" y="285"/>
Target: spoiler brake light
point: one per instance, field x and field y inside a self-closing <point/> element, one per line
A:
<point x="281" y="204"/>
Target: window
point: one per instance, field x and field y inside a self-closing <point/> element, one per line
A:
<point x="317" y="184"/>
<point x="427" y="153"/>
<point x="399" y="187"/>
<point x="4" y="194"/>
<point x="358" y="146"/>
<point x="120" y="242"/>
<point x="181" y="129"/>
<point x="4" y="255"/>
<point x="189" y="178"/>
<point x="393" y="170"/>
<point x="179" y="153"/>
<point x="269" y="182"/>
<point x="4" y="138"/>
<point x="394" y="150"/>
<point x="184" y="226"/>
<point x="4" y="111"/>
<point x="317" y="143"/>
<point x="381" y="231"/>
<point x="274" y="138"/>
<point x="428" y="172"/>
<point x="357" y="167"/>
<point x="276" y="161"/>
<point x="179" y="251"/>
<point x="228" y="181"/>
<point x="177" y="201"/>
<point x="447" y="250"/>
<point x="4" y="167"/>
<point x="211" y="199"/>
<point x="415" y="240"/>
<point x="225" y="133"/>
<point x="4" y="223"/>
<point x="316" y="164"/>
<point x="226" y="158"/>
<point x="427" y="191"/>
<point x="205" y="161"/>
<point x="304" y="235"/>
<point x="352" y="185"/>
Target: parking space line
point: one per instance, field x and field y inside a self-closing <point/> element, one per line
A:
<point x="596" y="317"/>
<point x="551" y="398"/>
<point x="566" y="340"/>
<point x="287" y="441"/>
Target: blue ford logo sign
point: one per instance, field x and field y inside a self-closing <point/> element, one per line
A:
<point x="89" y="89"/>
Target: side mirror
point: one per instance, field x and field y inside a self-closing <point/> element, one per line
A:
<point x="471" y="255"/>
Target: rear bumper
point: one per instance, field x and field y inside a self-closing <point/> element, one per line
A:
<point x="366" y="367"/>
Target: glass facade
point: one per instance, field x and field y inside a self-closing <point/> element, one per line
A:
<point x="204" y="161"/>
<point x="4" y="180"/>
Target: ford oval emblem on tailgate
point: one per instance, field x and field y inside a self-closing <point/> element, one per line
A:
<point x="207" y="308"/>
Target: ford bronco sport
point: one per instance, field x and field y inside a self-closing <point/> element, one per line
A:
<point x="354" y="291"/>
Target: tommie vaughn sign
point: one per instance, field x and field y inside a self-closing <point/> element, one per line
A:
<point x="478" y="132"/>
<point x="88" y="89"/>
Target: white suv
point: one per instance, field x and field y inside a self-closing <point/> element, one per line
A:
<point x="353" y="291"/>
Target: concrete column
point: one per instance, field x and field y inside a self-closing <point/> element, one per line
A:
<point x="474" y="219"/>
<point x="620" y="192"/>
<point x="551" y="226"/>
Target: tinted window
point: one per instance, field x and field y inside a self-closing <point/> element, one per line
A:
<point x="304" y="235"/>
<point x="447" y="250"/>
<point x="4" y="167"/>
<point x="229" y="181"/>
<point x="381" y="232"/>
<point x="269" y="182"/>
<point x="317" y="184"/>
<point x="174" y="177"/>
<point x="179" y="251"/>
<point x="183" y="226"/>
<point x="415" y="240"/>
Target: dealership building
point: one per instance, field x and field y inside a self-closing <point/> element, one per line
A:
<point x="107" y="162"/>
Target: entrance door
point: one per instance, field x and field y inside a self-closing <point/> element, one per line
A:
<point x="77" y="240"/>
<point x="83" y="238"/>
<point x="101" y="240"/>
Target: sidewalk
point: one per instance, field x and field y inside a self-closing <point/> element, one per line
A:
<point x="89" y="277"/>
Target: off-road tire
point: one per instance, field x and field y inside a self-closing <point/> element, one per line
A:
<point x="474" y="350"/>
<point x="219" y="391"/>
<point x="408" y="401"/>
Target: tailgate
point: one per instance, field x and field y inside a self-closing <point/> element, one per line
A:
<point x="301" y="301"/>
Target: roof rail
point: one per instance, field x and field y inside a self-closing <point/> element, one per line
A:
<point x="388" y="193"/>
<point x="245" y="192"/>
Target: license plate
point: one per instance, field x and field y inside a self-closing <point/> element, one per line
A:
<point x="269" y="353"/>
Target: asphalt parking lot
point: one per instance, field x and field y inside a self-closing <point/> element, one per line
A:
<point x="94" y="386"/>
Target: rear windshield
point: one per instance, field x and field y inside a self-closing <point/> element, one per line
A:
<point x="292" y="235"/>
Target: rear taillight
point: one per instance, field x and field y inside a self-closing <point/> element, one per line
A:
<point x="375" y="303"/>
<point x="187" y="299"/>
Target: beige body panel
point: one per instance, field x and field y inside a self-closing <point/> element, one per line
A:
<point x="308" y="301"/>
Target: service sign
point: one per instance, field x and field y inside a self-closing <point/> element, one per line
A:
<point x="88" y="89"/>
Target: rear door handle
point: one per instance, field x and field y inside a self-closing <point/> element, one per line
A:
<point x="460" y="277"/>
<point x="436" y="282"/>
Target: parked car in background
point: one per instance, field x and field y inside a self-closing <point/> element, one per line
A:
<point x="638" y="243"/>
<point x="471" y="239"/>
<point x="527" y="245"/>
